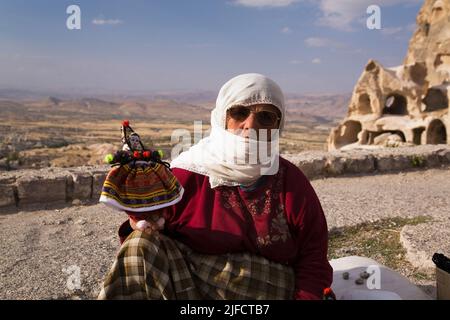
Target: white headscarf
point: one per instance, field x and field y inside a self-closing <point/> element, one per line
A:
<point x="223" y="156"/>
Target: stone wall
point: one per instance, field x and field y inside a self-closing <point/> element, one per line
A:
<point x="51" y="185"/>
<point x="370" y="161"/>
<point x="59" y="185"/>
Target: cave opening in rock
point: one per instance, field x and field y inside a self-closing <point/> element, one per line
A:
<point x="435" y="99"/>
<point x="371" y="66"/>
<point x="348" y="133"/>
<point x="418" y="72"/>
<point x="417" y="135"/>
<point x="426" y="29"/>
<point x="395" y="104"/>
<point x="436" y="133"/>
<point x="364" y="104"/>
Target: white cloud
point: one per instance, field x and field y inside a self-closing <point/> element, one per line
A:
<point x="264" y="3"/>
<point x="343" y="14"/>
<point x="286" y="30"/>
<point x="295" y="62"/>
<point x="316" y="61"/>
<point x="316" y="42"/>
<point x="102" y="22"/>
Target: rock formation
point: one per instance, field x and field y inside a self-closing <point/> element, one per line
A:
<point x="408" y="104"/>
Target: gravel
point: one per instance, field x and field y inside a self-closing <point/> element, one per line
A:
<point x="42" y="252"/>
<point x="349" y="201"/>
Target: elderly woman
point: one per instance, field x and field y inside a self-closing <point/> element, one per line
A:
<point x="242" y="230"/>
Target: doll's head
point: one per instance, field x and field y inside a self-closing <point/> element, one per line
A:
<point x="135" y="142"/>
<point x="131" y="141"/>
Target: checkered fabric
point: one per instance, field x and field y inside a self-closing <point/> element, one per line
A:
<point x="156" y="267"/>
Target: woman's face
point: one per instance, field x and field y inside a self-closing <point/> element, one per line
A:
<point x="241" y="125"/>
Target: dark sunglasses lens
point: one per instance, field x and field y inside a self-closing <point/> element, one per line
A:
<point x="267" y="118"/>
<point x="239" y="113"/>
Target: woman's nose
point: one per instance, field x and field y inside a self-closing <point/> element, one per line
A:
<point x="250" y="122"/>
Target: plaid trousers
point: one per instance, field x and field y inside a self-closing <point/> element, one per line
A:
<point x="157" y="267"/>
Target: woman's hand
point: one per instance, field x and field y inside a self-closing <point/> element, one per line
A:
<point x="147" y="226"/>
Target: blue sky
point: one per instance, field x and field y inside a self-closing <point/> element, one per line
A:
<point x="138" y="46"/>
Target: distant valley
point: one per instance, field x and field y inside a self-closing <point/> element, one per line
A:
<point x="59" y="130"/>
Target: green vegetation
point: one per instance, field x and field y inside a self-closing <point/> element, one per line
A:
<point x="379" y="240"/>
<point x="418" y="161"/>
<point x="12" y="156"/>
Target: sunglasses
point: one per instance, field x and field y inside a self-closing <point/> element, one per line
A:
<point x="264" y="117"/>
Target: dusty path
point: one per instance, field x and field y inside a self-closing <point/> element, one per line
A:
<point x="352" y="200"/>
<point x="41" y="249"/>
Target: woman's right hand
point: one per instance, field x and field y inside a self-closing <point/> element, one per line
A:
<point x="147" y="226"/>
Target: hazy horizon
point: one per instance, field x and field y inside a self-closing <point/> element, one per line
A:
<point x="95" y="93"/>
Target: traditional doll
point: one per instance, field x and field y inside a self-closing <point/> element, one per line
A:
<point x="139" y="183"/>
